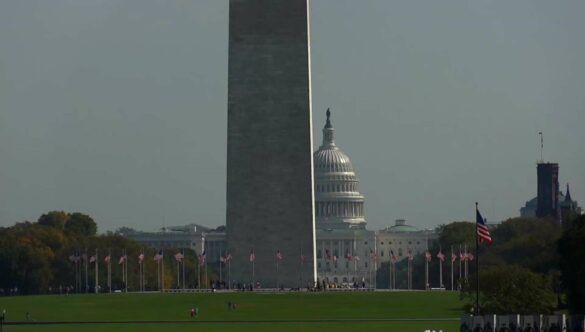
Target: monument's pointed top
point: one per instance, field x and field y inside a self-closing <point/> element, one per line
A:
<point x="328" y="122"/>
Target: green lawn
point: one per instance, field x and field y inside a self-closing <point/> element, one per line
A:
<point x="250" y="306"/>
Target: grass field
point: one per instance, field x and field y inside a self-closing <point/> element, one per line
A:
<point x="281" y="312"/>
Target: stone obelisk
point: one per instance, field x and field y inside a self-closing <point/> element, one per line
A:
<point x="269" y="156"/>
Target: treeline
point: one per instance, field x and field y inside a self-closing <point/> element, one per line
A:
<point x="38" y="257"/>
<point x="533" y="265"/>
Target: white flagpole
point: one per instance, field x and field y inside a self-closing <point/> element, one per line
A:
<point x="229" y="272"/>
<point x="96" y="290"/>
<point x="162" y="270"/>
<point x="441" y="273"/>
<point x="460" y="267"/>
<point x="183" y="266"/>
<point x="110" y="270"/>
<point x="451" y="267"/>
<point x="220" y="262"/>
<point x="178" y="271"/>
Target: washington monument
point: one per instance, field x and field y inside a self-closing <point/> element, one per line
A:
<point x="269" y="213"/>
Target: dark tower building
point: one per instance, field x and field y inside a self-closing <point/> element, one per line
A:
<point x="548" y="191"/>
<point x="269" y="213"/>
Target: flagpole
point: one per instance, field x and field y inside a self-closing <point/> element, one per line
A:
<point x="426" y="273"/>
<point x="110" y="270"/>
<point x="451" y="268"/>
<point x="441" y="270"/>
<point x="86" y="272"/>
<point x="277" y="273"/>
<point x="220" y="261"/>
<point x="162" y="270"/>
<point x="460" y="264"/>
<point x="199" y="273"/>
<point x="476" y="266"/>
<point x="96" y="288"/>
<point x="229" y="273"/>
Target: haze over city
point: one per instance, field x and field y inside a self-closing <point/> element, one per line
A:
<point x="119" y="109"/>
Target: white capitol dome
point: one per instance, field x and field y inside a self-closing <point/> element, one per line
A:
<point x="338" y="202"/>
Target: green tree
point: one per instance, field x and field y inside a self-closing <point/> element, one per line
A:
<point x="527" y="242"/>
<point x="56" y="219"/>
<point x="512" y="289"/>
<point x="81" y="224"/>
<point x="571" y="248"/>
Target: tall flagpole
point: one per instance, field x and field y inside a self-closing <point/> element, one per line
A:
<point x="110" y="270"/>
<point x="96" y="290"/>
<point x="86" y="272"/>
<point x="220" y="262"/>
<point x="183" y="261"/>
<point x="441" y="271"/>
<point x="451" y="267"/>
<point x="476" y="265"/>
<point x="162" y="270"/>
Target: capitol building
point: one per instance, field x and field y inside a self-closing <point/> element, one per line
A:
<point x="347" y="252"/>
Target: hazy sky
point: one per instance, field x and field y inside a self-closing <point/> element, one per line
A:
<point x="118" y="109"/>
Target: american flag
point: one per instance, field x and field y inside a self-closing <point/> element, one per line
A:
<point x="441" y="256"/>
<point x="327" y="254"/>
<point x="393" y="258"/>
<point x="108" y="258"/>
<point x="252" y="256"/>
<point x="461" y="255"/>
<point x="348" y="256"/>
<point x="179" y="257"/>
<point x="453" y="257"/>
<point x="74" y="258"/>
<point x="373" y="255"/>
<point x="222" y="259"/>
<point x="410" y="256"/>
<point x="428" y="255"/>
<point x="92" y="259"/>
<point x="122" y="259"/>
<point x="470" y="256"/>
<point x="278" y="255"/>
<point x="335" y="258"/>
<point x="357" y="258"/>
<point x="201" y="258"/>
<point x="483" y="232"/>
<point x="228" y="257"/>
<point x="158" y="256"/>
<point x="141" y="258"/>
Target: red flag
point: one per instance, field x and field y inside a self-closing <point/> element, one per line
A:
<point x="252" y="256"/>
<point x="410" y="256"/>
<point x="92" y="259"/>
<point x="278" y="255"/>
<point x="140" y="258"/>
<point x="179" y="257"/>
<point x="453" y="257"/>
<point x="201" y="258"/>
<point x="428" y="255"/>
<point x="393" y="258"/>
<point x="122" y="259"/>
<point x="441" y="256"/>
<point x="107" y="258"/>
<point x="158" y="256"/>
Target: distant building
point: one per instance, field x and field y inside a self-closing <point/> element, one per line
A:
<point x="192" y="237"/>
<point x="550" y="202"/>
<point x="402" y="239"/>
<point x="547" y="203"/>
<point x="343" y="243"/>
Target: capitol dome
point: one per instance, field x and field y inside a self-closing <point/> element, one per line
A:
<point x="338" y="202"/>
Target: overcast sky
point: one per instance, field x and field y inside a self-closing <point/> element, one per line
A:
<point x="118" y="109"/>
